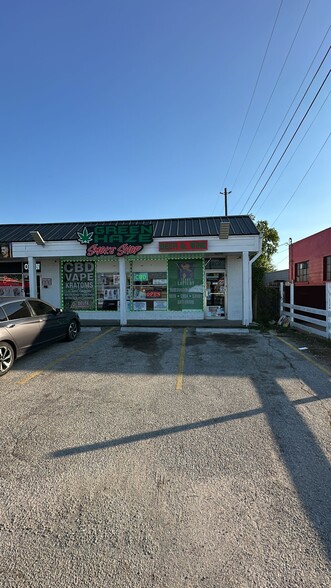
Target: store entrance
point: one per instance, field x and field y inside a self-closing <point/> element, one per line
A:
<point x="215" y="295"/>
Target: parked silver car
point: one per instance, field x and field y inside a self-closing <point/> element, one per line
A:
<point x="27" y="324"/>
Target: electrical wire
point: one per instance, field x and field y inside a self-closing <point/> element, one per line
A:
<point x="273" y="91"/>
<point x="297" y="188"/>
<point x="294" y="152"/>
<point x="284" y="258"/>
<point x="284" y="118"/>
<point x="288" y="145"/>
<point x="254" y="90"/>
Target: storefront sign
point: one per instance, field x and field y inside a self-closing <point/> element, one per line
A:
<point x="185" y="284"/>
<point x="78" y="284"/>
<point x="26" y="266"/>
<point x="140" y="277"/>
<point x="166" y="246"/>
<point x="119" y="240"/>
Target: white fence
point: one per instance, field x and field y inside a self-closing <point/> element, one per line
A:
<point x="298" y="314"/>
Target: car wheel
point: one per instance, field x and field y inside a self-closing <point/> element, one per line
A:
<point x="7" y="357"/>
<point x="72" y="331"/>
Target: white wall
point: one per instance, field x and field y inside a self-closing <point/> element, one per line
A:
<point x="234" y="281"/>
<point x="50" y="268"/>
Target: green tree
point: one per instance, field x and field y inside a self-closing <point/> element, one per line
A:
<point x="270" y="244"/>
<point x="265" y="299"/>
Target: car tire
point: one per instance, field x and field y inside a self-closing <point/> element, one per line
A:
<point x="72" y="330"/>
<point x="7" y="357"/>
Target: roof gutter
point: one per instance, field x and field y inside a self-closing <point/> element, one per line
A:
<point x="257" y="255"/>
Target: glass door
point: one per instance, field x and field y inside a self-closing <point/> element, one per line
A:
<point x="215" y="288"/>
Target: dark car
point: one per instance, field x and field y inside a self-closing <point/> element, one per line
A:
<point x="27" y="324"/>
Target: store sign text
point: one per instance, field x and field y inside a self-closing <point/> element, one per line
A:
<point x="78" y="284"/>
<point x="116" y="240"/>
<point x="166" y="246"/>
<point x="124" y="249"/>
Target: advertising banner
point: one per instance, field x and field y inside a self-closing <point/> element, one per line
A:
<point x="78" y="280"/>
<point x="185" y="284"/>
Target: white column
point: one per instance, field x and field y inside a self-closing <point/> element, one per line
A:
<point x="123" y="311"/>
<point x="32" y="277"/>
<point x="246" y="289"/>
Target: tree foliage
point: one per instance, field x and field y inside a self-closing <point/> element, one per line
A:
<point x="264" y="297"/>
<point x="270" y="242"/>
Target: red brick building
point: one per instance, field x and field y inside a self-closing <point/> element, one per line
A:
<point x="310" y="260"/>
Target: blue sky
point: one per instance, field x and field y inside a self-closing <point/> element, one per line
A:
<point x="146" y="109"/>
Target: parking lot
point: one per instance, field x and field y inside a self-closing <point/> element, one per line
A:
<point x="165" y="458"/>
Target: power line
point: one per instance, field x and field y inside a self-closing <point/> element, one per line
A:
<point x="284" y="118"/>
<point x="273" y="90"/>
<point x="294" y="152"/>
<point x="281" y="261"/>
<point x="288" y="145"/>
<point x="253" y="94"/>
<point x="297" y="188"/>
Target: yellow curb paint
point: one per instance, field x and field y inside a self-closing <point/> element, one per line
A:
<point x="315" y="363"/>
<point x="179" y="383"/>
<point x="63" y="357"/>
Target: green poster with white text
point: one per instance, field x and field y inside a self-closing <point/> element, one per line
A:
<point x="185" y="284"/>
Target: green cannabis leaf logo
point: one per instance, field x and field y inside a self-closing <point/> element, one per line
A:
<point x="85" y="237"/>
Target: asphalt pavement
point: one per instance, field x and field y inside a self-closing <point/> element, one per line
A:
<point x="167" y="458"/>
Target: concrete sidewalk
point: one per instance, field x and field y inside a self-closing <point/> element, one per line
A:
<point x="216" y="324"/>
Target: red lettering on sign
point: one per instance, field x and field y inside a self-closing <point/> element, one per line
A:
<point x="99" y="250"/>
<point x="153" y="294"/>
<point x="126" y="249"/>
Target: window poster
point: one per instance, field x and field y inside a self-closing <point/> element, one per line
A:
<point x="78" y="283"/>
<point x="139" y="306"/>
<point x="185" y="284"/>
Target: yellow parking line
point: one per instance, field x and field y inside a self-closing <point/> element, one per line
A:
<point x="180" y="375"/>
<point x="63" y="357"/>
<point x="315" y="363"/>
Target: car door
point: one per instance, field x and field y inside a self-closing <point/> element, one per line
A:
<point x="52" y="323"/>
<point x="23" y="328"/>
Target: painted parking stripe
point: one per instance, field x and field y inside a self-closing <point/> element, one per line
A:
<point x="315" y="363"/>
<point x="63" y="357"/>
<point x="180" y="375"/>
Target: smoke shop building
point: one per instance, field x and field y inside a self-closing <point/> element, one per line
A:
<point x="172" y="269"/>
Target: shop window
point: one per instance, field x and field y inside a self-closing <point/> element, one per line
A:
<point x="185" y="283"/>
<point x="11" y="285"/>
<point x="215" y="263"/>
<point x="108" y="291"/>
<point x="301" y="271"/>
<point x="327" y="269"/>
<point x="78" y="285"/>
<point x="149" y="290"/>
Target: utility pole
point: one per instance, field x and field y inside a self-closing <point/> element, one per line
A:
<point x="225" y="194"/>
